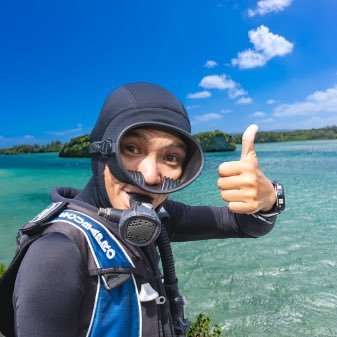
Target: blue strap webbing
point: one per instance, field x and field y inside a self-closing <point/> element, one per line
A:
<point x="116" y="311"/>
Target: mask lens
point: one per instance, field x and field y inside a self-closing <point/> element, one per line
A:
<point x="191" y="169"/>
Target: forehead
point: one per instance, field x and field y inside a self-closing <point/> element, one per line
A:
<point x="148" y="134"/>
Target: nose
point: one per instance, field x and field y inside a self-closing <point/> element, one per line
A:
<point x="150" y="170"/>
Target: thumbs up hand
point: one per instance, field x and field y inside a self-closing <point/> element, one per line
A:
<point x="242" y="183"/>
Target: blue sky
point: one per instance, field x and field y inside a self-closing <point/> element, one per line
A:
<point x="232" y="63"/>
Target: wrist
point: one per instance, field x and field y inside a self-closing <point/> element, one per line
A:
<point x="271" y="200"/>
<point x="279" y="201"/>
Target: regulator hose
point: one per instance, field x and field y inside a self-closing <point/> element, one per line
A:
<point x="181" y="324"/>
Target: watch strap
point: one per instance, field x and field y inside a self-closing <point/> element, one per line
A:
<point x="279" y="205"/>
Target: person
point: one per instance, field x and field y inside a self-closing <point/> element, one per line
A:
<point x="90" y="265"/>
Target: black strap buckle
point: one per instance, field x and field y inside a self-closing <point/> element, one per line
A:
<point x="105" y="147"/>
<point x="181" y="326"/>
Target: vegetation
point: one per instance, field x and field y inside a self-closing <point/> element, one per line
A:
<point x="202" y="328"/>
<point x="2" y="269"/>
<point x="217" y="140"/>
<point x="22" y="149"/>
<point x="212" y="141"/>
<point x="77" y="147"/>
<point x="328" y="132"/>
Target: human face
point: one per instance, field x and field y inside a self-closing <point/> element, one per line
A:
<point x="156" y="154"/>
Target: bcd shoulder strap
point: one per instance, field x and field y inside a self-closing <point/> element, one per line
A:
<point x="26" y="236"/>
<point x="113" y="265"/>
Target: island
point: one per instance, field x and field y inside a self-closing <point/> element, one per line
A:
<point x="210" y="141"/>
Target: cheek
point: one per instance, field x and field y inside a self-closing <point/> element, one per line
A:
<point x="174" y="173"/>
<point x="169" y="171"/>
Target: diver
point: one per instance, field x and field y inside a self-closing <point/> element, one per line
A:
<point x="88" y="265"/>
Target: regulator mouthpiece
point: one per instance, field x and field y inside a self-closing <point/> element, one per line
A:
<point x="111" y="150"/>
<point x="139" y="225"/>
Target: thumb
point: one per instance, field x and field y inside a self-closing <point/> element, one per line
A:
<point x="248" y="139"/>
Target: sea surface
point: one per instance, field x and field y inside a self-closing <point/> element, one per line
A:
<point x="283" y="284"/>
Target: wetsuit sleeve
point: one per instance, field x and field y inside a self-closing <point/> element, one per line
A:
<point x="49" y="288"/>
<point x="188" y="223"/>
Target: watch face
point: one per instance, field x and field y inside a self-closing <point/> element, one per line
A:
<point x="280" y="198"/>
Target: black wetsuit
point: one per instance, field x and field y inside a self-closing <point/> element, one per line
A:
<point x="52" y="279"/>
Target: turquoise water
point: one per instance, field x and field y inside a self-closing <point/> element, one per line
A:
<point x="283" y="284"/>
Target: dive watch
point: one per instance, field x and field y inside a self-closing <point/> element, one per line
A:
<point x="280" y="203"/>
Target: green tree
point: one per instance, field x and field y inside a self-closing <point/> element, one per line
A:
<point x="2" y="269"/>
<point x="77" y="147"/>
<point x="201" y="327"/>
<point x="217" y="140"/>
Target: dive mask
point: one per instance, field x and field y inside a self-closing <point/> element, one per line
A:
<point x="111" y="150"/>
<point x="140" y="225"/>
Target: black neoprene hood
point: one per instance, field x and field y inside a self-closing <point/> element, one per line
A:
<point x="138" y="105"/>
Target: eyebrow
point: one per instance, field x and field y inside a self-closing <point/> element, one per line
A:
<point x="144" y="136"/>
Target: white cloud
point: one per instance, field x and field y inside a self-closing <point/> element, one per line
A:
<point x="237" y="92"/>
<point x="210" y="64"/>
<point x="258" y="114"/>
<point x="244" y="100"/>
<point x="267" y="6"/>
<point x="319" y="109"/>
<point x="192" y="107"/>
<point x="270" y="101"/>
<point x="207" y="117"/>
<point x="266" y="46"/>
<point x="320" y="103"/>
<point x="249" y="59"/>
<point x="67" y="132"/>
<point x="269" y="44"/>
<point x="200" y="94"/>
<point x="217" y="82"/>
<point x="226" y="111"/>
<point x="6" y="142"/>
<point x="267" y="121"/>
<point x="223" y="82"/>
<point x="46" y="137"/>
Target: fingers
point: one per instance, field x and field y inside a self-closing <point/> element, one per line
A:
<point x="242" y="207"/>
<point x="231" y="168"/>
<point x="242" y="183"/>
<point x="238" y="182"/>
<point x="248" y="138"/>
<point x="238" y="195"/>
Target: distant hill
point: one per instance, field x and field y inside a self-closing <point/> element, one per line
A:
<point x="215" y="141"/>
<point x="22" y="149"/>
<point x="210" y="141"/>
<point x="77" y="147"/>
<point x="329" y="132"/>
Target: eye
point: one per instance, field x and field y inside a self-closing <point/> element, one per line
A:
<point x="172" y="158"/>
<point x="131" y="149"/>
